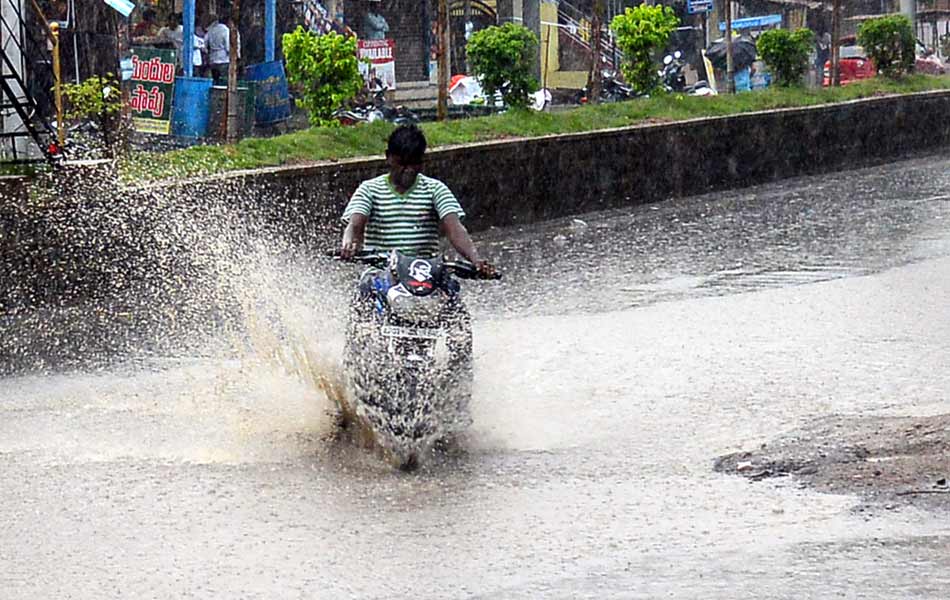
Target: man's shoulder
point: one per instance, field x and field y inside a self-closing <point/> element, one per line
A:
<point x="431" y="184"/>
<point x="429" y="180"/>
<point x="375" y="185"/>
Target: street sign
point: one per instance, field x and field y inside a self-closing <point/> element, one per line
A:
<point x="698" y="6"/>
<point x="377" y="63"/>
<point x="153" y="87"/>
<point x="753" y="22"/>
<point x="125" y="7"/>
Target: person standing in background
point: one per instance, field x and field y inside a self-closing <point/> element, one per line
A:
<point x="218" y="44"/>
<point x="145" y="30"/>
<point x="375" y="26"/>
<point x="148" y="26"/>
<point x="174" y="33"/>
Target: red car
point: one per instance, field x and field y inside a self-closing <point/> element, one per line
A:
<point x="853" y="64"/>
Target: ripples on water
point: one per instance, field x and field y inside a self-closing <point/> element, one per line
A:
<point x="789" y="233"/>
<point x="226" y="317"/>
<point x="590" y="471"/>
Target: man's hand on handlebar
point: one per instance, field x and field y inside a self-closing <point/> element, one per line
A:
<point x="486" y="269"/>
<point x="353" y="236"/>
<point x="349" y="249"/>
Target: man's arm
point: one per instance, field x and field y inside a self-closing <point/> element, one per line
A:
<point x="458" y="236"/>
<point x="353" y="235"/>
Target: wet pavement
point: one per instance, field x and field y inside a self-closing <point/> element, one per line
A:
<point x="623" y="352"/>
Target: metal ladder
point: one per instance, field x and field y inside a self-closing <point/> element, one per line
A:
<point x="14" y="96"/>
<point x="571" y="21"/>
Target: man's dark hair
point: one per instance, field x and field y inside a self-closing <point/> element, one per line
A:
<point x="408" y="143"/>
<point x="149" y="15"/>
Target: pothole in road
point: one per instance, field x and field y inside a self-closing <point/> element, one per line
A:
<point x="888" y="461"/>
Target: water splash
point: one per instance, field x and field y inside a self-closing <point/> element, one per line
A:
<point x="106" y="279"/>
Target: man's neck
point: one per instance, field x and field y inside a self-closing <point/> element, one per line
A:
<point x="400" y="189"/>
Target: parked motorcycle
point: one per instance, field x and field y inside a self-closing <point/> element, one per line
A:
<point x="611" y="90"/>
<point x="673" y="77"/>
<point x="376" y="110"/>
<point x="408" y="354"/>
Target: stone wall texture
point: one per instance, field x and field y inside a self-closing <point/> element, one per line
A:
<point x="80" y="245"/>
<point x="521" y="181"/>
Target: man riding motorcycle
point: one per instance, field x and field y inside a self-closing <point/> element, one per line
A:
<point x="407" y="211"/>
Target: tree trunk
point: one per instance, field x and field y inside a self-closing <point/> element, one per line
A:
<point x="96" y="33"/>
<point x="442" y="28"/>
<point x="466" y="19"/>
<point x="232" y="102"/>
<point x="595" y="77"/>
<point x="836" y="43"/>
<point x="730" y="64"/>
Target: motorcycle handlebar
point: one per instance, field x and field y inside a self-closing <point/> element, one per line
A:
<point x="462" y="269"/>
<point x="466" y="270"/>
<point x="363" y="256"/>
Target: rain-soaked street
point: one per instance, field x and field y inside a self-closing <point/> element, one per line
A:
<point x="623" y="352"/>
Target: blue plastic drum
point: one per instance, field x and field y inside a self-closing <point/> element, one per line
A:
<point x="192" y="106"/>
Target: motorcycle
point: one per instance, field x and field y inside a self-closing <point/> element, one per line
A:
<point x="376" y="110"/>
<point x="673" y="77"/>
<point x="408" y="354"/>
<point x="611" y="90"/>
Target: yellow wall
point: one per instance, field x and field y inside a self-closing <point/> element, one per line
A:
<point x="549" y="41"/>
<point x="551" y="74"/>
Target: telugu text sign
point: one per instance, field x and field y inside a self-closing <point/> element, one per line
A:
<point x="153" y="86"/>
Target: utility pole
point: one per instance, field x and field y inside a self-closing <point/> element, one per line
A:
<point x="188" y="33"/>
<point x="909" y="9"/>
<point x="58" y="86"/>
<point x="442" y="28"/>
<point x="232" y="102"/>
<point x="466" y="21"/>
<point x="595" y="77"/>
<point x="835" y="43"/>
<point x="730" y="66"/>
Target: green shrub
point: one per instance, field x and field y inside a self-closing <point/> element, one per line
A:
<point x="889" y="42"/>
<point x="641" y="32"/>
<point x="502" y="57"/>
<point x="97" y="99"/>
<point x="325" y="70"/>
<point x="786" y="53"/>
<point x="93" y="98"/>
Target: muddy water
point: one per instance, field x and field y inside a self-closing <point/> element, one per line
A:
<point x="724" y="320"/>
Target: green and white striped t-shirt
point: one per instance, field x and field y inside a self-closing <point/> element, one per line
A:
<point x="406" y="222"/>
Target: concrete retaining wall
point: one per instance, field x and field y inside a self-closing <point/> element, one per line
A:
<point x="521" y="181"/>
<point x="85" y="245"/>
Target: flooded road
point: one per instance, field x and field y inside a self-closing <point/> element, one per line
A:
<point x="623" y="352"/>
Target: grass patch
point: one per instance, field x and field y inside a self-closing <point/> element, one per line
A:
<point x="334" y="143"/>
<point x="22" y="169"/>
